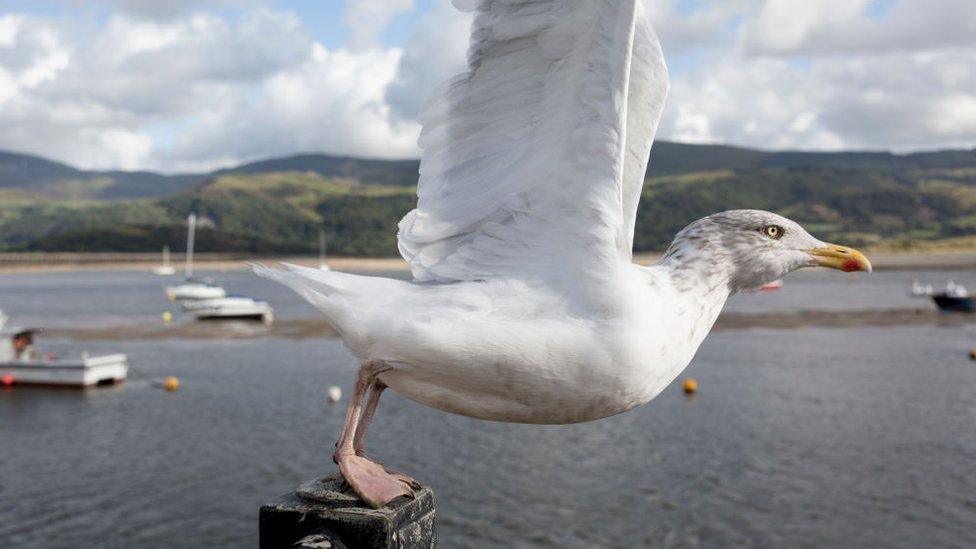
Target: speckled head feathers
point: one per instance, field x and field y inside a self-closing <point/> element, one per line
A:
<point x="739" y="249"/>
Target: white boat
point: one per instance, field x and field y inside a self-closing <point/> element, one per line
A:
<point x="955" y="290"/>
<point x="213" y="303"/>
<point x="921" y="290"/>
<point x="232" y="308"/>
<point x="193" y="289"/>
<point x="21" y="365"/>
<point x="165" y="269"/>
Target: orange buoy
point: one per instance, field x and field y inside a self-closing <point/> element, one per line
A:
<point x="972" y="353"/>
<point x="171" y="383"/>
<point x="7" y="380"/>
<point x="689" y="386"/>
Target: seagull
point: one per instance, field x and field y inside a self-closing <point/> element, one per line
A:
<point x="525" y="304"/>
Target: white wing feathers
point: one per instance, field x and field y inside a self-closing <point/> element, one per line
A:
<point x="534" y="159"/>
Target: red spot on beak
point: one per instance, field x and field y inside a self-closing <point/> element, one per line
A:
<point x="851" y="266"/>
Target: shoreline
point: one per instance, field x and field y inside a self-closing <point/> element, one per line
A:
<point x="308" y="328"/>
<point x="37" y="263"/>
<point x="11" y="263"/>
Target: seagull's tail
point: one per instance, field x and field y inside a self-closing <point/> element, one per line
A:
<point x="323" y="289"/>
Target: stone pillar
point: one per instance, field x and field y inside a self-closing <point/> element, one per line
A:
<point x="322" y="514"/>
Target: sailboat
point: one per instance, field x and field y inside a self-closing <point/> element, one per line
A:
<point x="193" y="289"/>
<point x="323" y="266"/>
<point x="165" y="269"/>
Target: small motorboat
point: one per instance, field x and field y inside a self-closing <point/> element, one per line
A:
<point x="20" y="364"/>
<point x="955" y="299"/>
<point x="231" y="308"/>
<point x="165" y="269"/>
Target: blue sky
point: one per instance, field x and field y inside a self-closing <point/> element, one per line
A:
<point x="322" y="18"/>
<point x="194" y="84"/>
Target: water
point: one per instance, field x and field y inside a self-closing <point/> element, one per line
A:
<point x="816" y="437"/>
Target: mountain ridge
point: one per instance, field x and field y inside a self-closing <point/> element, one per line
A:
<point x="57" y="180"/>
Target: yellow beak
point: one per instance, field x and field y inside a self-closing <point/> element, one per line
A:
<point x="840" y="257"/>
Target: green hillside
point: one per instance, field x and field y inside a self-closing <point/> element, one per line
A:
<point x="283" y="212"/>
<point x="267" y="213"/>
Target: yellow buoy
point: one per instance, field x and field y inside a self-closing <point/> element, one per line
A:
<point x="690" y="386"/>
<point x="171" y="383"/>
<point x="167" y="317"/>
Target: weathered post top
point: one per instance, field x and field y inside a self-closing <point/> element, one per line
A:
<point x="321" y="513"/>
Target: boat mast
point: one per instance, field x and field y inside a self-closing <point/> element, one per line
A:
<point x="321" y="247"/>
<point x="191" y="229"/>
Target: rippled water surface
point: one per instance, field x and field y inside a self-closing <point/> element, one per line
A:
<point x="815" y="437"/>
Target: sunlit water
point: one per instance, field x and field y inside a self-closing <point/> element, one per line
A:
<point x="815" y="437"/>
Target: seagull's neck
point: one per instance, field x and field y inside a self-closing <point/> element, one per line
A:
<point x="705" y="277"/>
<point x="690" y="299"/>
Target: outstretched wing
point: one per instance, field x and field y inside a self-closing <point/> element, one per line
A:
<point x="533" y="160"/>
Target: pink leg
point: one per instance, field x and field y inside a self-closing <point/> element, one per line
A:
<point x="371" y="482"/>
<point x="367" y="416"/>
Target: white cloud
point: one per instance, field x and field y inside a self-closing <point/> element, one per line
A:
<point x="158" y="9"/>
<point x="832" y="27"/>
<point x="92" y="100"/>
<point x="332" y="102"/>
<point x="435" y="51"/>
<point x="704" y="26"/>
<point x="367" y="19"/>
<point x="886" y="101"/>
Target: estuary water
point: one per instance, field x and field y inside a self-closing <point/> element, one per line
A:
<point x="802" y="437"/>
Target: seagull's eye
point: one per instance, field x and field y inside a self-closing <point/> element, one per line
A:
<point x="773" y="231"/>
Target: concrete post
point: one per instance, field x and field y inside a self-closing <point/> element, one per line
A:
<point x="322" y="514"/>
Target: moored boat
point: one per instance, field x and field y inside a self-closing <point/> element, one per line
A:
<point x="955" y="299"/>
<point x="193" y="288"/>
<point x="165" y="269"/>
<point x="21" y="365"/>
<point x="232" y="308"/>
<point x="921" y="290"/>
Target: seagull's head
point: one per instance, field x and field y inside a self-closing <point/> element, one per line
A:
<point x="749" y="248"/>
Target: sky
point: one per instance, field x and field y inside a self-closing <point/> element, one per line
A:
<point x="191" y="85"/>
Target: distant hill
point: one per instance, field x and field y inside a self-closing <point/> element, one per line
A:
<point x="55" y="180"/>
<point x="279" y="205"/>
<point x="402" y="173"/>
<point x="678" y="158"/>
<point x="45" y="178"/>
